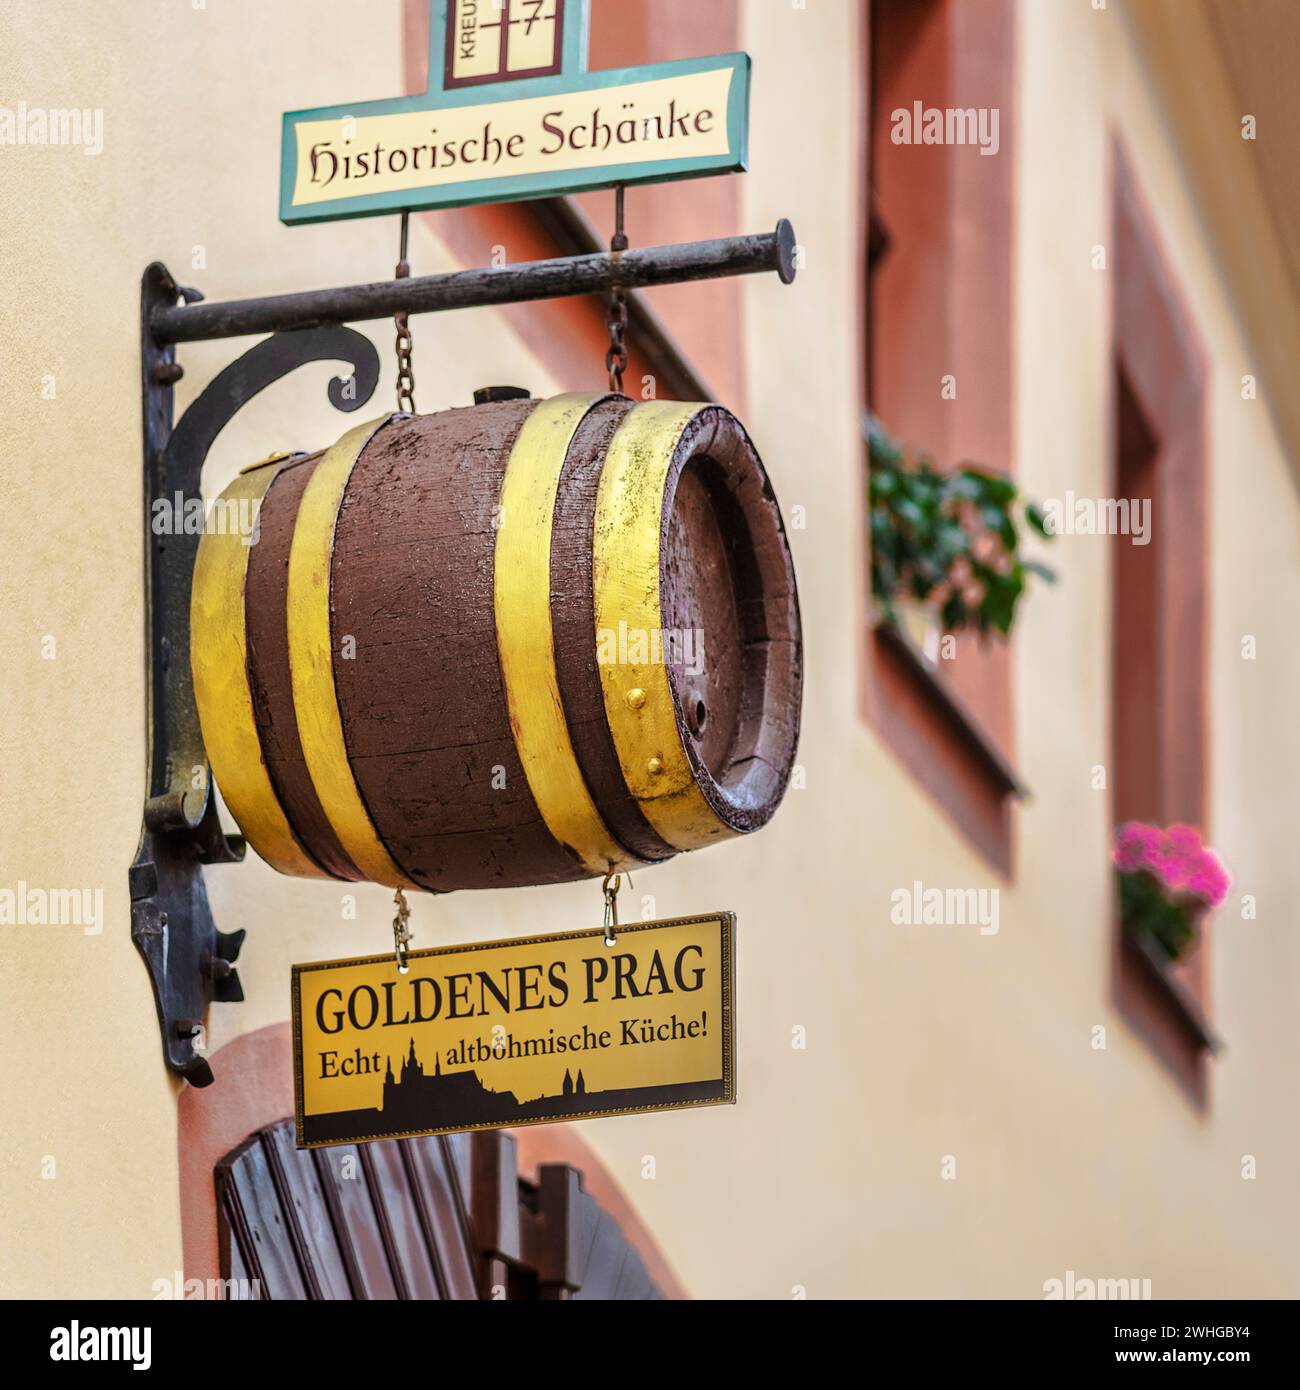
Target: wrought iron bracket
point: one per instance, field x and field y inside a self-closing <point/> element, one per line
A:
<point x="190" y="962"/>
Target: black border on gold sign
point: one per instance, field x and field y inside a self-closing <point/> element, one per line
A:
<point x="727" y="924"/>
<point x="450" y="82"/>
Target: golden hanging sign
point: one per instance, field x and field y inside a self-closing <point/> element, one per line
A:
<point x="516" y="1032"/>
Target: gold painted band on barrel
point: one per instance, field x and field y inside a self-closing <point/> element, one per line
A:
<point x="311" y="661"/>
<point x="219" y="663"/>
<point x="625" y="571"/>
<point x="525" y="637"/>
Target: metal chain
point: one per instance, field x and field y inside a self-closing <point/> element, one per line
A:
<point x="402" y="933"/>
<point x="405" y="371"/>
<point x="616" y="357"/>
<point x="612" y="883"/>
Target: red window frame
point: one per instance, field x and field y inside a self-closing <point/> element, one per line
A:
<point x="937" y="234"/>
<point x="1159" y="702"/>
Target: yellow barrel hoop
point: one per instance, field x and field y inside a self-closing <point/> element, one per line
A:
<point x="626" y="569"/>
<point x="219" y="663"/>
<point x="525" y="638"/>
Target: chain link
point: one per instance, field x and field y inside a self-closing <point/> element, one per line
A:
<point x="610" y="885"/>
<point x="616" y="357"/>
<point x="402" y="934"/>
<point x="616" y="319"/>
<point x="404" y="344"/>
<point x="405" y="372"/>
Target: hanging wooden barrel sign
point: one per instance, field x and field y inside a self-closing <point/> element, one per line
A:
<point x="515" y="643"/>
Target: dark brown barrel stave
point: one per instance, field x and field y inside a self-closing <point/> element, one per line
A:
<point x="424" y="709"/>
<point x="265" y="595"/>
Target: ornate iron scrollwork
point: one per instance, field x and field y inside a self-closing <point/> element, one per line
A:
<point x="190" y="962"/>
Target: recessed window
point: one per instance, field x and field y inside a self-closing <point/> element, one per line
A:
<point x="1159" y="566"/>
<point x="937" y="375"/>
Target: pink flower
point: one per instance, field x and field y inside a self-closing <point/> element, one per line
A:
<point x="1133" y="843"/>
<point x="1176" y="857"/>
<point x="1210" y="880"/>
<point x="1185" y="838"/>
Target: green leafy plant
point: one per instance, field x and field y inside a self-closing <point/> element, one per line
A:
<point x="947" y="540"/>
<point x="1168" y="882"/>
<point x="1146" y="910"/>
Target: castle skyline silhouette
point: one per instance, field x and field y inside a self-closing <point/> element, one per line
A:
<point x="414" y="1100"/>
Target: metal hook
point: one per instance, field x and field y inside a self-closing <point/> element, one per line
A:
<point x="610" y="885"/>
<point x="402" y="935"/>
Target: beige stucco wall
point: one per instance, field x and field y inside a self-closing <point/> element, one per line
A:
<point x="921" y="1042"/>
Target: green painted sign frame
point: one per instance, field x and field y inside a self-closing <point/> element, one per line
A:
<point x="572" y="79"/>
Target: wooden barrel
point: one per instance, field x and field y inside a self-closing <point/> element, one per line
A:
<point x="515" y="643"/>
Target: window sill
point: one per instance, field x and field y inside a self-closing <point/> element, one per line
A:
<point x="1154" y="965"/>
<point x="938" y="689"/>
